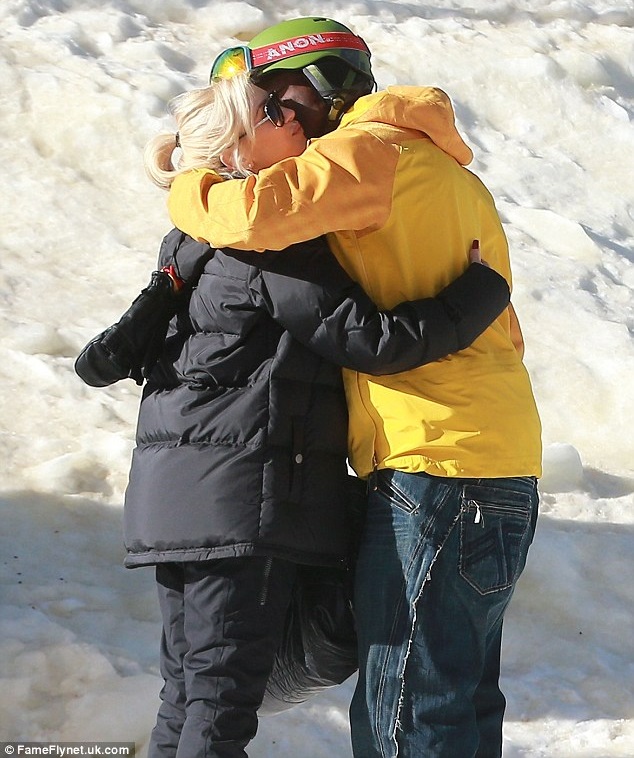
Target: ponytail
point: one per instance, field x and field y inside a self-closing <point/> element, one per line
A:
<point x="158" y="160"/>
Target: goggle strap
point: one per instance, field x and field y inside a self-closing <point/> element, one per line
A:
<point x="289" y="48"/>
<point x="242" y="58"/>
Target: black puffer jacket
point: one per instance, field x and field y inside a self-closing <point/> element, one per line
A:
<point x="241" y="439"/>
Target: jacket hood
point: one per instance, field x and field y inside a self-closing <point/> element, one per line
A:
<point x="424" y="109"/>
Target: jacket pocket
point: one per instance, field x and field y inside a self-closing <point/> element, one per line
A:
<point x="496" y="530"/>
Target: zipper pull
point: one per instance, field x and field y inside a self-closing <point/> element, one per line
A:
<point x="478" y="515"/>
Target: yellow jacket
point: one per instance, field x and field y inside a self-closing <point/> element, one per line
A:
<point x="390" y="189"/>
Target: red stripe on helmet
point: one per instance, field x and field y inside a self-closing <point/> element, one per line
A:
<point x="308" y="43"/>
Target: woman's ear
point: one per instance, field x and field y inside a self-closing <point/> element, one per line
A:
<point x="226" y="158"/>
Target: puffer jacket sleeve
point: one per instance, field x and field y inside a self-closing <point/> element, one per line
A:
<point x="322" y="307"/>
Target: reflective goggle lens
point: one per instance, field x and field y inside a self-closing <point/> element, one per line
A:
<point x="235" y="60"/>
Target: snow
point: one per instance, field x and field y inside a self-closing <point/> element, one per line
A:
<point x="543" y="93"/>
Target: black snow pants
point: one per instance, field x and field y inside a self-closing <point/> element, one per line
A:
<point x="222" y="624"/>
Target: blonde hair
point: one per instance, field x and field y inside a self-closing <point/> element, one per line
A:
<point x="209" y="121"/>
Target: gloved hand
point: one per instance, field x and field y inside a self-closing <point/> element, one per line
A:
<point x="130" y="347"/>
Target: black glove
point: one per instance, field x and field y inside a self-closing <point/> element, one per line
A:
<point x="131" y="347"/>
<point x="474" y="300"/>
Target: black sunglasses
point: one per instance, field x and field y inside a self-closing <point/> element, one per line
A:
<point x="272" y="111"/>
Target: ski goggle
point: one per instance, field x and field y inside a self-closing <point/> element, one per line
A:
<point x="272" y="111"/>
<point x="242" y="59"/>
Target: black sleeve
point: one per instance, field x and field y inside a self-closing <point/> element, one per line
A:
<point x="308" y="292"/>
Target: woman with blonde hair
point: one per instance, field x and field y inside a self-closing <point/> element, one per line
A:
<point x="239" y="478"/>
<point x="216" y="130"/>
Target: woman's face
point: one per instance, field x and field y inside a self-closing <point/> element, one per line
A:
<point x="278" y="134"/>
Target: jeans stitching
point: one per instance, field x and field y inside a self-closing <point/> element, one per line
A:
<point x="414" y="607"/>
<point x="431" y="520"/>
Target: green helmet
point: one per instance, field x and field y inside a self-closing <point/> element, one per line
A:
<point x="334" y="59"/>
<point x="301" y="42"/>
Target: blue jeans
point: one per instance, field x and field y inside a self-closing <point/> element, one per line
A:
<point x="438" y="564"/>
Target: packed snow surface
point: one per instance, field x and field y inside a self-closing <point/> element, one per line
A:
<point x="544" y="93"/>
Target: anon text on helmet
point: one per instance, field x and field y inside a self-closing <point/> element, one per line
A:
<point x="288" y="48"/>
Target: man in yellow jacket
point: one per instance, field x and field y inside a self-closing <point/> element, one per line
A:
<point x="451" y="450"/>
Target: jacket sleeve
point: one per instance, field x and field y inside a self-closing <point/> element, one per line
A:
<point x="341" y="181"/>
<point x="322" y="307"/>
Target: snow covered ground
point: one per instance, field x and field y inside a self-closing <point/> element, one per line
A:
<point x="544" y="93"/>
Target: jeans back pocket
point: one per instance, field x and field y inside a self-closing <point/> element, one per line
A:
<point x="496" y="530"/>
